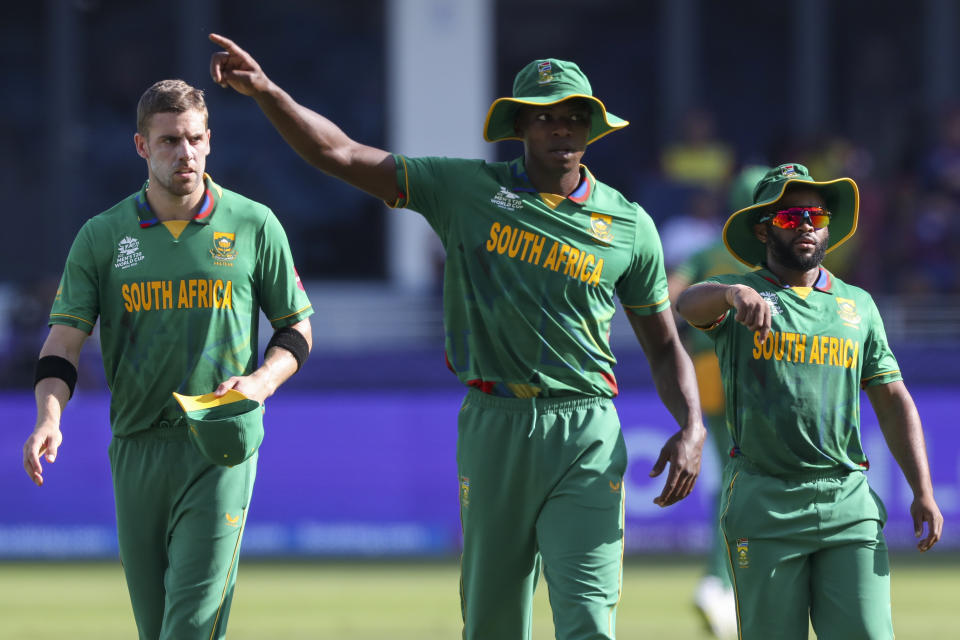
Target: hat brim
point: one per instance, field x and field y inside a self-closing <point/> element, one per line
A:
<point x="227" y="429"/>
<point x="501" y="117"/>
<point x="840" y="196"/>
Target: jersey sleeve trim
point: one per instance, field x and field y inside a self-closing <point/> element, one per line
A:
<point x="647" y="306"/>
<point x="290" y="315"/>
<point x="403" y="198"/>
<point x="55" y="316"/>
<point x="713" y="325"/>
<point x="864" y="382"/>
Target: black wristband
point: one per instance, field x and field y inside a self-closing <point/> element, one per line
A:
<point x="56" y="367"/>
<point x="291" y="340"/>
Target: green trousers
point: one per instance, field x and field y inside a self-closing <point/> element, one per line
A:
<point x="719" y="438"/>
<point x="180" y="520"/>
<point x="806" y="548"/>
<point x="541" y="483"/>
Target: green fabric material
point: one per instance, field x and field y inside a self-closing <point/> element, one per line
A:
<point x="793" y="403"/>
<point x="545" y="82"/>
<point x="227" y="434"/>
<point x="179" y="524"/>
<point x="541" y="481"/>
<point x="177" y="314"/>
<point x="800" y="547"/>
<point x="529" y="289"/>
<point x="841" y="197"/>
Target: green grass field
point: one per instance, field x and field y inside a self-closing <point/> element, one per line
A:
<point x="403" y="601"/>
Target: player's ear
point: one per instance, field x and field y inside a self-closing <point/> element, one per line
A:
<point x="760" y="231"/>
<point x="141" y="144"/>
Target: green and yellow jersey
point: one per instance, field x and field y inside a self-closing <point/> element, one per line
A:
<point x="530" y="277"/>
<point x="178" y="302"/>
<point x="793" y="401"/>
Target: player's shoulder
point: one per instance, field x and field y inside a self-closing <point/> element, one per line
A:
<point x="115" y="216"/>
<point x="843" y="289"/>
<point x="450" y="164"/>
<point x="241" y="208"/>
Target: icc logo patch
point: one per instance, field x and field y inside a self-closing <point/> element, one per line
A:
<point x="600" y="227"/>
<point x="772" y="301"/>
<point x="223" y="246"/>
<point x="464" y="491"/>
<point x="743" y="549"/>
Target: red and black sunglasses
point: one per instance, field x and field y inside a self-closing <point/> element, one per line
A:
<point x="791" y="218"/>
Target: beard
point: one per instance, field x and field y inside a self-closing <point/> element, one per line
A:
<point x="784" y="252"/>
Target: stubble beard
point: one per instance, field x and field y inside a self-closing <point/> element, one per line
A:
<point x="784" y="253"/>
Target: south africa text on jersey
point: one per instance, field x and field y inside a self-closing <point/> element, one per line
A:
<point x="524" y="245"/>
<point x="157" y="295"/>
<point x="792" y="347"/>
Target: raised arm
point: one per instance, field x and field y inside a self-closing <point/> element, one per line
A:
<point x="52" y="394"/>
<point x="703" y="304"/>
<point x="900" y="423"/>
<point x="676" y="384"/>
<point x="318" y="140"/>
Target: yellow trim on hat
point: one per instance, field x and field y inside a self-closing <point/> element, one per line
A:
<point x="208" y="400"/>
<point x="606" y="120"/>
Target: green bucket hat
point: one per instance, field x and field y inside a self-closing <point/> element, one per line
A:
<point x="227" y="430"/>
<point x="546" y="82"/>
<point x="840" y="196"/>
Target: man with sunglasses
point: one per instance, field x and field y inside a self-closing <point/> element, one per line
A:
<point x="803" y="529"/>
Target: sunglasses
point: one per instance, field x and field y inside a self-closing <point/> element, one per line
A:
<point x="791" y="218"/>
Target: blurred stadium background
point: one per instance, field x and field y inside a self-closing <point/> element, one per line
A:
<point x="359" y="456"/>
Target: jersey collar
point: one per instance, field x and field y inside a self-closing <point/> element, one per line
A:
<point x="211" y="196"/>
<point x="824" y="280"/>
<point x="521" y="182"/>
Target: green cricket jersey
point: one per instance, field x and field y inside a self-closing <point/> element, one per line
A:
<point x="177" y="312"/>
<point x="793" y="401"/>
<point x="530" y="278"/>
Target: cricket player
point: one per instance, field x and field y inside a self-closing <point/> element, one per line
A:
<point x="536" y="250"/>
<point x="803" y="529"/>
<point x="177" y="274"/>
<point x="713" y="596"/>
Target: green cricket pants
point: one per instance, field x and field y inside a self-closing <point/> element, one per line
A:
<point x="541" y="482"/>
<point x="808" y="547"/>
<point x="180" y="520"/>
<point x="710" y="388"/>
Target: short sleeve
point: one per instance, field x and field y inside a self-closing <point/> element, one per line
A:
<point x="879" y="364"/>
<point x="432" y="186"/>
<point x="282" y="297"/>
<point x="77" y="303"/>
<point x="643" y="287"/>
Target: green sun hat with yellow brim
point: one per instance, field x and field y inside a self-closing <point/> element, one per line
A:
<point x="227" y="429"/>
<point x="840" y="196"/>
<point x="547" y="82"/>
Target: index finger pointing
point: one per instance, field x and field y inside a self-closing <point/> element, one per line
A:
<point x="225" y="42"/>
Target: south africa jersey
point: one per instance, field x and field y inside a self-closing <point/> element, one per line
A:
<point x="793" y="401"/>
<point x="178" y="303"/>
<point x="530" y="278"/>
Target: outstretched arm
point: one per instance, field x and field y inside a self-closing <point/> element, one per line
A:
<point x="318" y="140"/>
<point x="703" y="304"/>
<point x="901" y="428"/>
<point x="52" y="395"/>
<point x="676" y="384"/>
